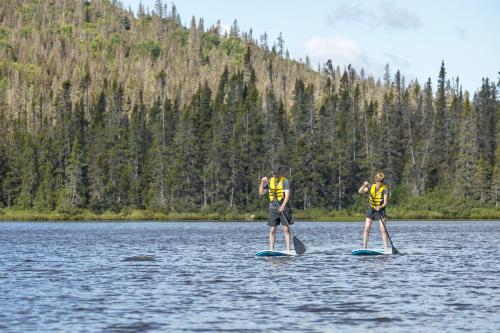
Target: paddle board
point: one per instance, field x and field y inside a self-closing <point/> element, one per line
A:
<point x="268" y="253"/>
<point x="368" y="252"/>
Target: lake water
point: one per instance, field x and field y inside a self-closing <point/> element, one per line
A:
<point x="81" y="277"/>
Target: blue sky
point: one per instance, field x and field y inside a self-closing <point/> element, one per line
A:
<point x="412" y="36"/>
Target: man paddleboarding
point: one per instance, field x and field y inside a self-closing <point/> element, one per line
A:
<point x="278" y="188"/>
<point x="378" y="200"/>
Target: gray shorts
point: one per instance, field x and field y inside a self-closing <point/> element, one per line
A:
<point x="372" y="214"/>
<point x="275" y="217"/>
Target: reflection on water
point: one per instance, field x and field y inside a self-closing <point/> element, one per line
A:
<point x="136" y="277"/>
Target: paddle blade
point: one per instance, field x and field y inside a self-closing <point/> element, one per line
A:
<point x="299" y="247"/>
<point x="395" y="251"/>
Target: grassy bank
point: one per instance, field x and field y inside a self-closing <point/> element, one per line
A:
<point x="132" y="215"/>
<point x="395" y="213"/>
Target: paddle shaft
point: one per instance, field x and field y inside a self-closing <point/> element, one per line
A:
<point x="394" y="250"/>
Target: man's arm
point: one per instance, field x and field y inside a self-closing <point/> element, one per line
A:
<point x="363" y="188"/>
<point x="285" y="201"/>
<point x="263" y="183"/>
<point x="386" y="201"/>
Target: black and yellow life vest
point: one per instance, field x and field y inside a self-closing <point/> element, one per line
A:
<point x="276" y="189"/>
<point x="376" y="197"/>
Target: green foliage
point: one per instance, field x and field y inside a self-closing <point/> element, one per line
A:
<point x="4" y="34"/>
<point x="65" y="30"/>
<point x="25" y="32"/>
<point x="113" y="41"/>
<point x="212" y="40"/>
<point x="28" y="10"/>
<point x="235" y="48"/>
<point x="180" y="36"/>
<point x="28" y="71"/>
<point x="125" y="21"/>
<point x="90" y="30"/>
<point x="4" y="84"/>
<point x="97" y="45"/>
<point x="150" y="48"/>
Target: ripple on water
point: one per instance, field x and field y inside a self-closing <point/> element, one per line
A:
<point x="136" y="277"/>
<point x="140" y="258"/>
<point x="132" y="327"/>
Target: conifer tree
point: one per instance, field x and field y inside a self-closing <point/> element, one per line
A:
<point x="466" y="177"/>
<point x="139" y="140"/>
<point x="23" y="177"/>
<point x="343" y="143"/>
<point x="72" y="194"/>
<point x="438" y="149"/>
<point x="46" y="196"/>
<point x="98" y="154"/>
<point x="485" y="102"/>
<point x="305" y="148"/>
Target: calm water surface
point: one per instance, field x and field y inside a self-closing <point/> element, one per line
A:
<point x="73" y="277"/>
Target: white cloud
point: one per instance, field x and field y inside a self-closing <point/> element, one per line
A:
<point x="341" y="50"/>
<point x="347" y="13"/>
<point x="398" y="62"/>
<point x="387" y="14"/>
<point x="400" y="18"/>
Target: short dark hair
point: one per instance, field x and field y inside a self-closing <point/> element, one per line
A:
<point x="276" y="169"/>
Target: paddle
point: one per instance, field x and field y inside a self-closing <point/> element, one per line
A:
<point x="394" y="250"/>
<point x="298" y="246"/>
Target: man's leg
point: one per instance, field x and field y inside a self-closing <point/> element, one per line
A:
<point x="286" y="230"/>
<point x="272" y="237"/>
<point x="384" y="234"/>
<point x="366" y="234"/>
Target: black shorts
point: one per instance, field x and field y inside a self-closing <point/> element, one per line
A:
<point x="372" y="214"/>
<point x="275" y="217"/>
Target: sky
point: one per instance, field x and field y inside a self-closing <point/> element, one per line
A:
<point x="412" y="36"/>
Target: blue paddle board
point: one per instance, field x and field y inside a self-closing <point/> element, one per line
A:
<point x="368" y="252"/>
<point x="268" y="253"/>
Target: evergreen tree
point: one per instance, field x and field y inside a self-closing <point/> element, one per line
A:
<point x="439" y="150"/>
<point x="139" y="139"/>
<point x="485" y="102"/>
<point x="45" y="198"/>
<point x="98" y="154"/>
<point x="22" y="178"/>
<point x="466" y="177"/>
<point x="344" y="144"/>
<point x="72" y="195"/>
<point x="428" y="160"/>
<point x="252" y="141"/>
<point x="305" y="148"/>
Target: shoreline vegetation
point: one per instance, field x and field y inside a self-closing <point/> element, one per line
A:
<point x="396" y="213"/>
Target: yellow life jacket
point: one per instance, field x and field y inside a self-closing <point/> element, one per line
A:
<point x="276" y="189"/>
<point x="376" y="197"/>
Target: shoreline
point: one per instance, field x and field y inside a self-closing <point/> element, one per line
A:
<point x="301" y="216"/>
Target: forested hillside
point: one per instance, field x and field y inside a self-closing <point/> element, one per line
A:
<point x="107" y="110"/>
